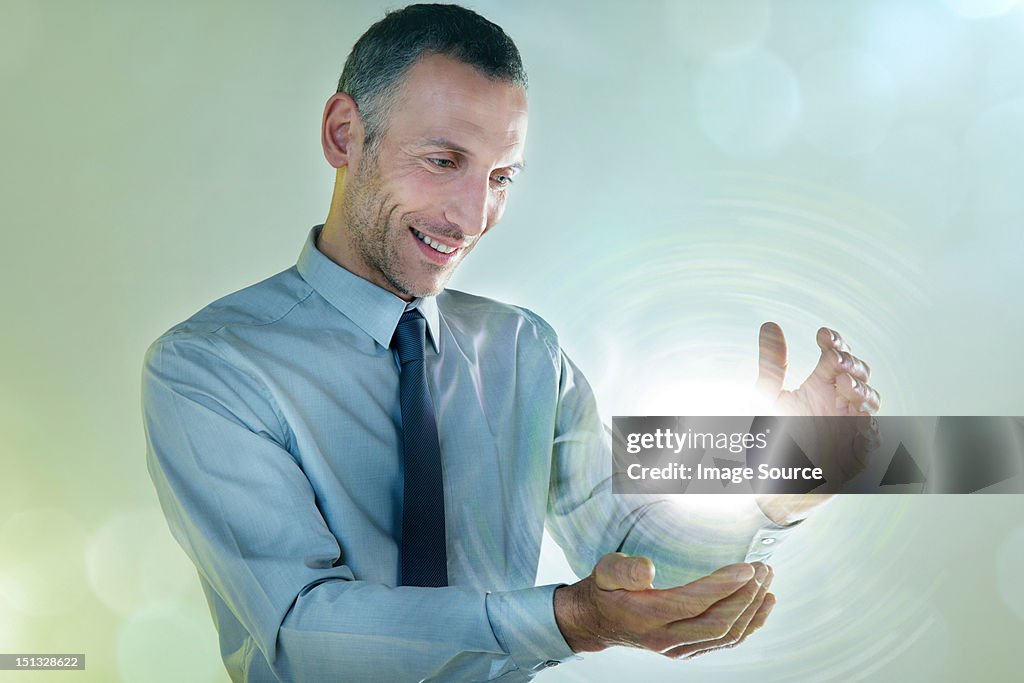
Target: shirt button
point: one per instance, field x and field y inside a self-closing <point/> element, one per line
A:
<point x="767" y="541"/>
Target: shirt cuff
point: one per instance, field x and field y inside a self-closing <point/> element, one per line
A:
<point x="688" y="539"/>
<point x="767" y="537"/>
<point x="524" y="624"/>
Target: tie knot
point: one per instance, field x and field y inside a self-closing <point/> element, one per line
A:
<point x="410" y="335"/>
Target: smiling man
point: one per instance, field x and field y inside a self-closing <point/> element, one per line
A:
<point x="411" y="203"/>
<point x="361" y="462"/>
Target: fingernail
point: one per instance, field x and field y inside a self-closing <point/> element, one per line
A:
<point x="760" y="573"/>
<point x="743" y="572"/>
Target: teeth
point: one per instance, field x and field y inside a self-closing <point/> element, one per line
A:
<point x="433" y="244"/>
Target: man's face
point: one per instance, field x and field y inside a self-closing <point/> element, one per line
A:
<point x="451" y="146"/>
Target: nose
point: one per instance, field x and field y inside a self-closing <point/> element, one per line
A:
<point x="469" y="206"/>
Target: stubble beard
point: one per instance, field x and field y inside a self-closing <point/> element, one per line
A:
<point x="378" y="233"/>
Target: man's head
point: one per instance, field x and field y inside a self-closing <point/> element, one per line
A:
<point x="383" y="55"/>
<point x="427" y="130"/>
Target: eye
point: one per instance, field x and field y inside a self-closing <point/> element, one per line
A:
<point x="441" y="162"/>
<point x="502" y="180"/>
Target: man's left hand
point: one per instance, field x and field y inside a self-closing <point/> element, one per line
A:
<point x="837" y="386"/>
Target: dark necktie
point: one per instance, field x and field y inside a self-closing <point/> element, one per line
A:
<point x="424" y="559"/>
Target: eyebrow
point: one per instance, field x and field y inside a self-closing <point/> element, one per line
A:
<point x="448" y="144"/>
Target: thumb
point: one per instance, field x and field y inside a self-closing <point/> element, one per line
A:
<point x="771" y="359"/>
<point x="617" y="571"/>
<point x="697" y="596"/>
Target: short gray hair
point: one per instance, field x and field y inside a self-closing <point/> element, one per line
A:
<point x="385" y="52"/>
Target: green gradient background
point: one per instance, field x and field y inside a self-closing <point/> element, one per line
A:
<point x="694" y="169"/>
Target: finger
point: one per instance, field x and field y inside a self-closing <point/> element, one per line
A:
<point x="697" y="597"/>
<point x="830" y="339"/>
<point x="759" y="619"/>
<point x="715" y="622"/>
<point x="771" y="359"/>
<point x="856" y="437"/>
<point x="617" y="571"/>
<point x="832" y="363"/>
<point x="761" y="616"/>
<point x="763" y="578"/>
<point x="836" y="358"/>
<point x="863" y="399"/>
<point x="854" y="366"/>
<point x="865" y="442"/>
<point x="873" y="402"/>
<point x="869" y="432"/>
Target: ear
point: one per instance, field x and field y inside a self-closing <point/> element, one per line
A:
<point x="342" y="131"/>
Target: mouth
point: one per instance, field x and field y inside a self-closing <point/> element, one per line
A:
<point x="440" y="248"/>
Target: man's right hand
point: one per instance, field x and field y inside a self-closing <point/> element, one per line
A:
<point x="617" y="605"/>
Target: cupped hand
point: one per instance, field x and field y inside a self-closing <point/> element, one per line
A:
<point x="617" y="605"/>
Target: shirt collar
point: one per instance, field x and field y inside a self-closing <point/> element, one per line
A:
<point x="374" y="310"/>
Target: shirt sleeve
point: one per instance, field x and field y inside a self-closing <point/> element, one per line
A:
<point x="241" y="507"/>
<point x="686" y="536"/>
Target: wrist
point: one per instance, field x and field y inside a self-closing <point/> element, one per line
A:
<point x="574" y="617"/>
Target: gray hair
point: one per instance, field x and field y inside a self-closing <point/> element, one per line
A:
<point x="385" y="52"/>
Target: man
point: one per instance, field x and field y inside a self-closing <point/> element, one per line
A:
<point x="361" y="463"/>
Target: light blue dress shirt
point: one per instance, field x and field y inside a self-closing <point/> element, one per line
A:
<point x="273" y="426"/>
